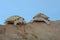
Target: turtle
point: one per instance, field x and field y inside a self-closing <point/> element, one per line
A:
<point x="40" y="17"/>
<point x="14" y="20"/>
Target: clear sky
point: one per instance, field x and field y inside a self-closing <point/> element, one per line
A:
<point x="28" y="8"/>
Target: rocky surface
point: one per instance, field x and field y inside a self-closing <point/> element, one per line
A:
<point x="31" y="31"/>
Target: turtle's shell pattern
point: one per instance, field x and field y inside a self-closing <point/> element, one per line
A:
<point x="41" y="15"/>
<point x="13" y="18"/>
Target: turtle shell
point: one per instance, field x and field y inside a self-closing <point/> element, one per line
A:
<point x="41" y="15"/>
<point x="13" y="18"/>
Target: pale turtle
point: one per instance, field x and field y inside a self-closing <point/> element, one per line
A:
<point x="41" y="18"/>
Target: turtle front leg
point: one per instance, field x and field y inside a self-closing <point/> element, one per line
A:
<point x="15" y="22"/>
<point x="46" y="21"/>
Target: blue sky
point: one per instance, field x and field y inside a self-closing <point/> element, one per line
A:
<point x="28" y="8"/>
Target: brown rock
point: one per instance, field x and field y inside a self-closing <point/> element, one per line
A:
<point x="31" y="31"/>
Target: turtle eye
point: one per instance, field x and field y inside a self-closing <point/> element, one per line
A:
<point x="23" y="18"/>
<point x="33" y="17"/>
